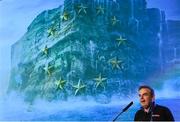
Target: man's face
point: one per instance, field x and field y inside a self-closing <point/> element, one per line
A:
<point x="145" y="97"/>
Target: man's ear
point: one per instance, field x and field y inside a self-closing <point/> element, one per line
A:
<point x="153" y="98"/>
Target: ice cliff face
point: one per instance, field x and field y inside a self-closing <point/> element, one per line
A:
<point x="87" y="48"/>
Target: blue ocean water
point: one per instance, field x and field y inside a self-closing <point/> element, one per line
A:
<point x="84" y="111"/>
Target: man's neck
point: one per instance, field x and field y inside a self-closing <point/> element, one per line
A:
<point x="151" y="106"/>
<point x="146" y="109"/>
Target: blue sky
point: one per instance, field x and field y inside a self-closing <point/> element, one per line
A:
<point x="16" y="16"/>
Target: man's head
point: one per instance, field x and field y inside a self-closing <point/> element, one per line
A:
<point x="146" y="96"/>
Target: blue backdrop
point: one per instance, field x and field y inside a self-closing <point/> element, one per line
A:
<point x="85" y="59"/>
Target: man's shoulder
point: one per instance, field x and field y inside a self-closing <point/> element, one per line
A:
<point x="161" y="106"/>
<point x="139" y="111"/>
<point x="165" y="111"/>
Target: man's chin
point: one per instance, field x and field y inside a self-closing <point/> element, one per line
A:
<point x="144" y="106"/>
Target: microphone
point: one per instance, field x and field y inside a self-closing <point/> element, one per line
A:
<point x="123" y="110"/>
<point x="127" y="106"/>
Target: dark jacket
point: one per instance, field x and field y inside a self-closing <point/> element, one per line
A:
<point x="157" y="113"/>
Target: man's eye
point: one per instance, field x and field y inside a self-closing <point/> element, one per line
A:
<point x="146" y="94"/>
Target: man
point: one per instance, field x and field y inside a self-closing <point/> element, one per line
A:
<point x="149" y="110"/>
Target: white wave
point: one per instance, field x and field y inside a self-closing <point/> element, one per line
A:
<point x="170" y="89"/>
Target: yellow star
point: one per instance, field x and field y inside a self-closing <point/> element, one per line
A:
<point x="100" y="10"/>
<point x="116" y="63"/>
<point x="114" y="20"/>
<point x="65" y="16"/>
<point x="78" y="87"/>
<point x="60" y="83"/>
<point x="51" y="32"/>
<point x="121" y="41"/>
<point x="82" y="8"/>
<point x="47" y="69"/>
<point x="45" y="50"/>
<point x="100" y="81"/>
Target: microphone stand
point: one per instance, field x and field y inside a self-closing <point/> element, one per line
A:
<point x="123" y="111"/>
<point x="117" y="116"/>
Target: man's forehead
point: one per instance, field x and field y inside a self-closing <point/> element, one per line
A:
<point x="144" y="90"/>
